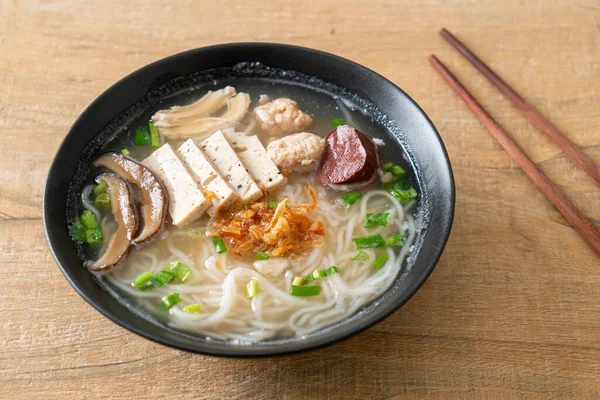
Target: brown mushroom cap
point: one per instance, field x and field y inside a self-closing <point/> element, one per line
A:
<point x="123" y="210"/>
<point x="153" y="200"/>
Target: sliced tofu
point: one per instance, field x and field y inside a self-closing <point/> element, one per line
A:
<point x="186" y="201"/>
<point x="254" y="156"/>
<point x="222" y="156"/>
<point x="220" y="193"/>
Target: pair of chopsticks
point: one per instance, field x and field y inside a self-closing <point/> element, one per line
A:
<point x="560" y="201"/>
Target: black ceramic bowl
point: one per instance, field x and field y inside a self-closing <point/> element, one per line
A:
<point x="406" y="126"/>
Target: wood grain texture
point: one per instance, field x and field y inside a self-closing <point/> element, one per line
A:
<point x="511" y="311"/>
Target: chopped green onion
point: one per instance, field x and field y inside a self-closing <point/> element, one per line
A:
<point x="380" y="260"/>
<point x="395" y="240"/>
<point x="161" y="278"/>
<point x="361" y="256"/>
<point x="298" y="281"/>
<point x="272" y="203"/>
<point x="102" y="201"/>
<point x="182" y="272"/>
<point x="261" y="255"/>
<point x="78" y="230"/>
<point x="351" y="197"/>
<point x="154" y="136"/>
<point x="126" y="152"/>
<point x="169" y="301"/>
<point x="387" y="167"/>
<point x="367" y="242"/>
<point x="397" y="170"/>
<point x="316" y="274"/>
<point x="142" y="137"/>
<point x="100" y="188"/>
<point x="94" y="235"/>
<point x="143" y="280"/>
<point x="219" y="245"/>
<point x="88" y="220"/>
<point x="303" y="291"/>
<point x="331" y="270"/>
<point x="252" y="288"/>
<point x="337" y="122"/>
<point x="195" y="233"/>
<point x="372" y="220"/>
<point x="404" y="196"/>
<point x="192" y="308"/>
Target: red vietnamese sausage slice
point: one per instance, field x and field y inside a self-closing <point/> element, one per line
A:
<point x="349" y="157"/>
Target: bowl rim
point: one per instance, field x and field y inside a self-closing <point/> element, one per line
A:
<point x="234" y="351"/>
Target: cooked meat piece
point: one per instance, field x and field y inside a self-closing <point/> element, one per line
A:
<point x="299" y="152"/>
<point x="282" y="116"/>
<point x="122" y="205"/>
<point x="349" y="157"/>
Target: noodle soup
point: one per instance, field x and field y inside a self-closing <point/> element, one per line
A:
<point x="249" y="213"/>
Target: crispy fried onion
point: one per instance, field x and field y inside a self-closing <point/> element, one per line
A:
<point x="284" y="231"/>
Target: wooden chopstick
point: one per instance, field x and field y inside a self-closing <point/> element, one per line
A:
<point x="562" y="204"/>
<point x="579" y="157"/>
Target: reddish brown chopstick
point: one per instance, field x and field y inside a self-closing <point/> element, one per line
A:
<point x="579" y="157"/>
<point x="562" y="204"/>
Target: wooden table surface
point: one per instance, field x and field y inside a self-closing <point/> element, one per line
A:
<point x="511" y="311"/>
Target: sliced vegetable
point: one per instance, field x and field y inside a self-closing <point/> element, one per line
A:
<point x="195" y="233"/>
<point x="367" y="242"/>
<point x="252" y="288"/>
<point x="143" y="281"/>
<point x="397" y="170"/>
<point x="387" y="167"/>
<point x="219" y="245"/>
<point x="261" y="255"/>
<point x="316" y="274"/>
<point x="337" y="122"/>
<point x="78" y="230"/>
<point x="298" y="281"/>
<point x="182" y="272"/>
<point x="154" y="136"/>
<point x="102" y="201"/>
<point x="361" y="256"/>
<point x="126" y="152"/>
<point x="169" y="301"/>
<point x="395" y="240"/>
<point x="142" y="137"/>
<point x="351" y="197"/>
<point x="88" y="220"/>
<point x="94" y="235"/>
<point x="372" y="220"/>
<point x="100" y="188"/>
<point x="303" y="291"/>
<point x="192" y="308"/>
<point x="163" y="277"/>
<point x="380" y="260"/>
<point x="272" y="203"/>
<point x="401" y="191"/>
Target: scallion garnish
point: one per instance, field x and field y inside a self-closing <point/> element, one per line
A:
<point x="331" y="270"/>
<point x="337" y="122"/>
<point x="126" y="152"/>
<point x="94" y="235"/>
<point x="182" y="272"/>
<point x="88" y="220"/>
<point x="252" y="288"/>
<point x="154" y="136"/>
<point x="351" y="197"/>
<point x="78" y="230"/>
<point x="161" y="278"/>
<point x="143" y="281"/>
<point x="372" y="220"/>
<point x="298" y="281"/>
<point x="219" y="245"/>
<point x="261" y="255"/>
<point x="100" y="188"/>
<point x="380" y="260"/>
<point x="361" y="256"/>
<point x="397" y="170"/>
<point x="387" y="167"/>
<point x="169" y="301"/>
<point x="102" y="201"/>
<point x="272" y="203"/>
<point x="367" y="242"/>
<point x="192" y="308"/>
<point x="319" y="273"/>
<point x="395" y="240"/>
<point x="195" y="233"/>
<point x="401" y="191"/>
<point x="142" y="137"/>
<point x="303" y="291"/>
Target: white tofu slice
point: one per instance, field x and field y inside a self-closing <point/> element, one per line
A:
<point x="186" y="202"/>
<point x="254" y="156"/>
<point x="222" y="156"/>
<point x="207" y="177"/>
